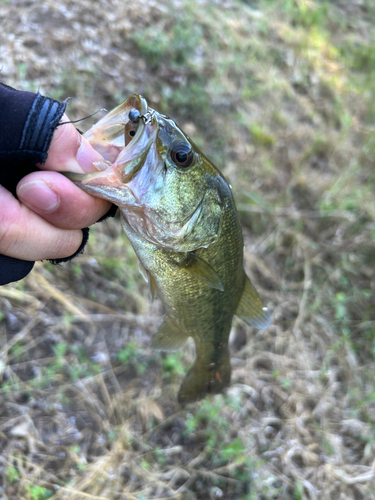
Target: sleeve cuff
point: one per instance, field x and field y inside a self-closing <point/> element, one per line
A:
<point x="81" y="248"/>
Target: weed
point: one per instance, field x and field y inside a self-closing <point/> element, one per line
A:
<point x="132" y="356"/>
<point x="299" y="490"/>
<point x="327" y="446"/>
<point x="11" y="474"/>
<point x="60" y="350"/>
<point x="85" y="367"/>
<point x="307" y="14"/>
<point x="68" y="319"/>
<point x="152" y="45"/>
<point x="361" y="57"/>
<point x="112" y="268"/>
<point x="160" y="456"/>
<point x="39" y="492"/>
<point x="211" y="416"/>
<point x="259" y="136"/>
<point x="16" y="351"/>
<point x="233" y="451"/>
<point x="172" y="365"/>
<point x="193" y="101"/>
<point x="145" y="465"/>
<point x="130" y="352"/>
<point x="177" y="45"/>
<point x="340" y="306"/>
<point x="76" y="270"/>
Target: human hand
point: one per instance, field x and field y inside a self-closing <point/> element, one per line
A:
<point x="46" y="221"/>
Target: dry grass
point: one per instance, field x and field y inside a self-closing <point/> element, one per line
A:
<point x="280" y="96"/>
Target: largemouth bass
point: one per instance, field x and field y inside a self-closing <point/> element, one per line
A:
<point x="178" y="212"/>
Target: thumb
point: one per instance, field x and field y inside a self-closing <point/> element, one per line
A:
<point x="69" y="151"/>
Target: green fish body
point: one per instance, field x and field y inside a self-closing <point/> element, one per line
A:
<point x="179" y="214"/>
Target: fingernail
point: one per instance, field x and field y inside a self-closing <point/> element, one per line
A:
<point x="86" y="156"/>
<point x="37" y="194"/>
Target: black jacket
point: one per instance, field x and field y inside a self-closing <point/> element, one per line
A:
<point x="27" y="123"/>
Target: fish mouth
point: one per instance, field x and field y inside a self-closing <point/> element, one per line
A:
<point x="122" y="159"/>
<point x="107" y="136"/>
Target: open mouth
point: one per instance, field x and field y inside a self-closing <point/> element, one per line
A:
<point x="112" y="134"/>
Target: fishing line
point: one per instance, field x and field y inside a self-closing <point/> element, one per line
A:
<point x="81" y="119"/>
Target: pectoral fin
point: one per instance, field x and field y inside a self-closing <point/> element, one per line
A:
<point x="147" y="276"/>
<point x="151" y="286"/>
<point x="202" y="271"/>
<point x="251" y="308"/>
<point x="169" y="337"/>
<point x="143" y="271"/>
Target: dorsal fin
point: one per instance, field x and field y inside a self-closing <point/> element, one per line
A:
<point x="251" y="308"/>
<point x="202" y="271"/>
<point x="168" y="337"/>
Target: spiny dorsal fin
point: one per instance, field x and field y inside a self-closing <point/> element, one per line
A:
<point x="251" y="308"/>
<point x="202" y="271"/>
<point x="169" y="337"/>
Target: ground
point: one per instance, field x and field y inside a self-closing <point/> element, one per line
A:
<point x="279" y="95"/>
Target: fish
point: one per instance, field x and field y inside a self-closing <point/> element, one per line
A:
<point x="178" y="212"/>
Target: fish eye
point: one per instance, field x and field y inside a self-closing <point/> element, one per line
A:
<point x="182" y="155"/>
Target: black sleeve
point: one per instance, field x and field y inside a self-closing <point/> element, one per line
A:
<point x="27" y="123"/>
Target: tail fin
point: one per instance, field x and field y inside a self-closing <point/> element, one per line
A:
<point x="205" y="379"/>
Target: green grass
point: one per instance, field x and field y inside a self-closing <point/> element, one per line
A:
<point x="11" y="474"/>
<point x="173" y="366"/>
<point x="39" y="492"/>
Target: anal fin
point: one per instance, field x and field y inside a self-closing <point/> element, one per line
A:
<point x="168" y="337"/>
<point x="251" y="308"/>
